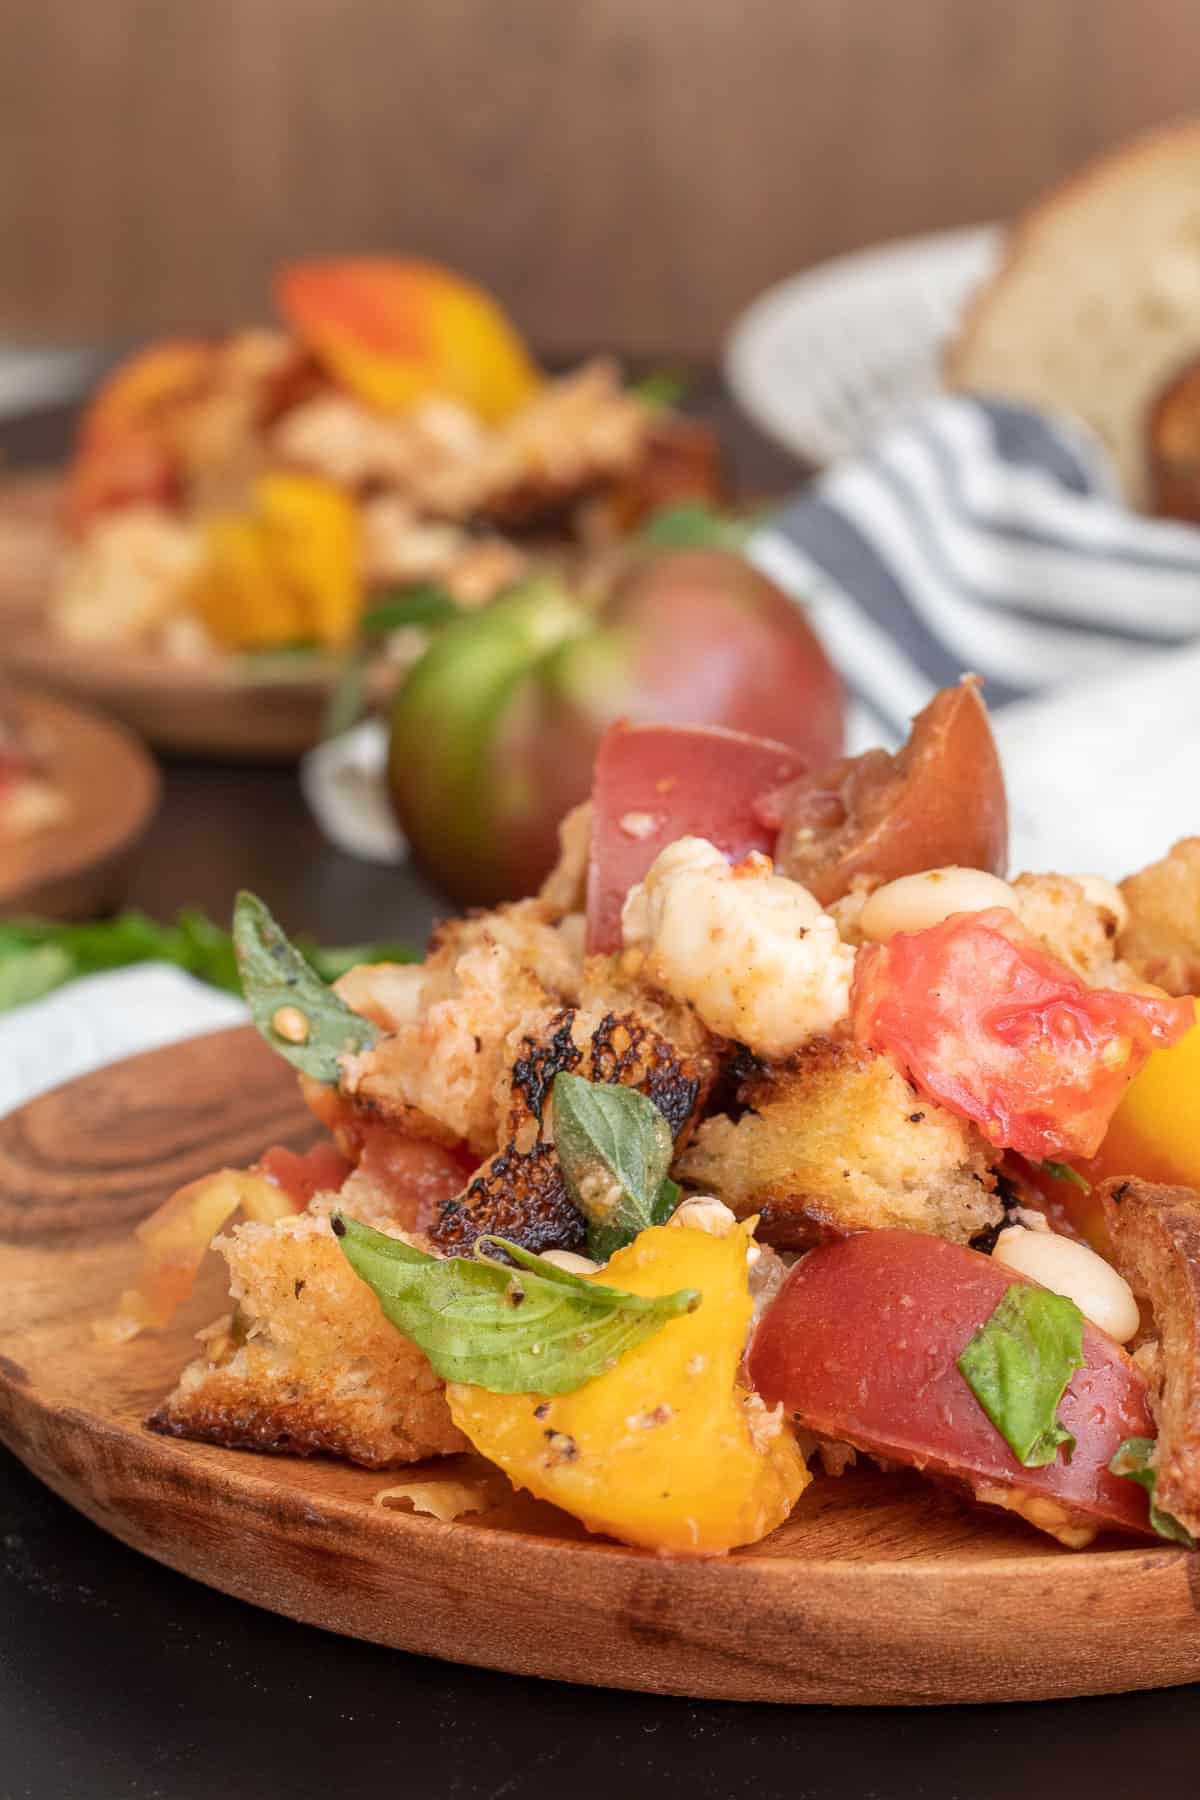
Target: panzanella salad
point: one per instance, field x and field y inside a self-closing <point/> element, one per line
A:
<point x="780" y="1128"/>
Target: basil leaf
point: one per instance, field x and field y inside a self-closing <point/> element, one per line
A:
<point x="1018" y="1365"/>
<point x="348" y="701"/>
<point x="28" y="974"/>
<point x="275" y="978"/>
<point x="532" y="1329"/>
<point x="615" y="1148"/>
<point x="422" y="604"/>
<point x="661" y="389"/>
<point x="1135" y="1460"/>
<point x="1064" y="1172"/>
<point x="693" y="525"/>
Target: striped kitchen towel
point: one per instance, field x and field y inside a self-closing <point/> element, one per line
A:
<point x="982" y="536"/>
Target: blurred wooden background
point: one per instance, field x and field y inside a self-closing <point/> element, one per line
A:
<point x="626" y="173"/>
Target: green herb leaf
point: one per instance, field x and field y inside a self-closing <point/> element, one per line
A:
<point x="422" y="604"/>
<point x="692" y="525"/>
<point x="1018" y="1365"/>
<point x="1064" y="1172"/>
<point x="529" y="1329"/>
<point x="28" y="974"/>
<point x="332" y="961"/>
<point x="280" y="662"/>
<point x="39" y="955"/>
<point x="1135" y="1460"/>
<point x="348" y="701"/>
<point x="274" y="976"/>
<point x="615" y="1148"/>
<point x="661" y="389"/>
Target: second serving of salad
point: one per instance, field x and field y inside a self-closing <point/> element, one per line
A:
<point x="779" y="1129"/>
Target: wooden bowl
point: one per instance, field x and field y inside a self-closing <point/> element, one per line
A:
<point x="78" y="865"/>
<point x="215" y="706"/>
<point x="880" y="1588"/>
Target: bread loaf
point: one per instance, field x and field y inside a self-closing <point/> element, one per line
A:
<point x="1096" y="306"/>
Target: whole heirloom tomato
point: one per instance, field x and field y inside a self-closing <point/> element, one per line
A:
<point x="495" y="730"/>
<point x="862" y="1345"/>
<point x="987" y="1023"/>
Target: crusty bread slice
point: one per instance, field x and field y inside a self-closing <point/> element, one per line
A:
<point x="1097" y="303"/>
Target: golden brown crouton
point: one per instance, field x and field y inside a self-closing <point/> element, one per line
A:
<point x="308" y="1364"/>
<point x="1155" y="1234"/>
<point x="438" y="1076"/>
<point x="835" y="1141"/>
<point x="565" y="887"/>
<point x="1162" y="939"/>
<point x="1069" y="922"/>
<point x="437" y="1073"/>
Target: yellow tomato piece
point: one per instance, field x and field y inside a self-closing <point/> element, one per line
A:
<point x="1155" y="1132"/>
<point x="287" y="573"/>
<point x="659" y="1450"/>
<point x="312" y="538"/>
<point x="237" y="592"/>
<point x="174" y="1239"/>
<point x="396" y="332"/>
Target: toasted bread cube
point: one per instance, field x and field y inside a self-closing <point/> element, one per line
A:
<point x="308" y="1363"/>
<point x="836" y="1141"/>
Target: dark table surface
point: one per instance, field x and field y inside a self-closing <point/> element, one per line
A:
<point x="122" y="1679"/>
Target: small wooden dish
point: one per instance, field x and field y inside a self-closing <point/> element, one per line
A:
<point x="880" y="1589"/>
<point x="77" y="865"/>
<point x="215" y="706"/>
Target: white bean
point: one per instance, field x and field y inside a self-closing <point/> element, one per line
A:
<point x="915" y="902"/>
<point x="571" y="1262"/>
<point x="1068" y="1267"/>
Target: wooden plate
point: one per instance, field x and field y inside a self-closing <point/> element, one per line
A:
<point x="218" y="706"/>
<point x="78" y="865"/>
<point x="879" y="1589"/>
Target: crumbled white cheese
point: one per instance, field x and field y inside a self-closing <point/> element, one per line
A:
<point x="751" y="951"/>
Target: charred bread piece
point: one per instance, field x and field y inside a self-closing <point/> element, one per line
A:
<point x="835" y="1141"/>
<point x="1155" y="1234"/>
<point x="520" y="1194"/>
<point x="1162" y="939"/>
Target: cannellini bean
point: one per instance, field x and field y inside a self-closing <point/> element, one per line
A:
<point x="1070" y="1268"/>
<point x="704" y="1212"/>
<point x="915" y="902"/>
<point x="571" y="1262"/>
<point x="1106" y="896"/>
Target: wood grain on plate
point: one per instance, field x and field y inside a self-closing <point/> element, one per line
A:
<point x="78" y="865"/>
<point x="215" y="706"/>
<point x="880" y="1589"/>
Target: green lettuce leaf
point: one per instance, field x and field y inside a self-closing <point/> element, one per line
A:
<point x="1135" y="1460"/>
<point x="276" y="975"/>
<point x="1018" y="1365"/>
<point x="615" y="1148"/>
<point x="528" y="1329"/>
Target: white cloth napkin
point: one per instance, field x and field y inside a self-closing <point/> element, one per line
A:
<point x="981" y="536"/>
<point x="101" y="1019"/>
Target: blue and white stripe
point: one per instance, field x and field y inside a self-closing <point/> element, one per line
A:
<point x="986" y="537"/>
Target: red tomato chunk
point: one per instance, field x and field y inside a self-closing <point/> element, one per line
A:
<point x="320" y="1170"/>
<point x="984" y="1021"/>
<point x="862" y="1345"/>
<point x="653" y="784"/>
